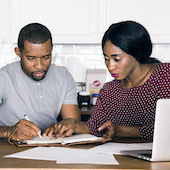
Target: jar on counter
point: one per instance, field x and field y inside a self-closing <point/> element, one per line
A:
<point x="80" y="86"/>
<point x="94" y="99"/>
<point x="84" y="98"/>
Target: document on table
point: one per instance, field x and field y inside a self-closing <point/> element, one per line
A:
<point x="64" y="141"/>
<point x="63" y="155"/>
<point x="115" y="148"/>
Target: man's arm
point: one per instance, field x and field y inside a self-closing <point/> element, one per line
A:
<point x="70" y="111"/>
<point x="3" y="131"/>
<point x="25" y="130"/>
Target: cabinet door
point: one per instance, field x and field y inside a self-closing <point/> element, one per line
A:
<point x="152" y="14"/>
<point x="70" y="21"/>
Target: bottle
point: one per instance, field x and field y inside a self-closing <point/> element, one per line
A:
<point x="84" y="98"/>
<point x="94" y="98"/>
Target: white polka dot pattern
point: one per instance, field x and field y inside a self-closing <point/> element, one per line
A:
<point x="131" y="107"/>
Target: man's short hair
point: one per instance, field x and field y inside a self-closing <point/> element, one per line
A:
<point x="34" y="33"/>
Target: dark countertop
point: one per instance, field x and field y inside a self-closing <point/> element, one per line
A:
<point x="86" y="110"/>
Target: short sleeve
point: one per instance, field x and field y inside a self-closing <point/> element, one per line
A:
<point x="3" y="86"/>
<point x="71" y="92"/>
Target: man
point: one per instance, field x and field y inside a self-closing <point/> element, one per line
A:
<point x="36" y="88"/>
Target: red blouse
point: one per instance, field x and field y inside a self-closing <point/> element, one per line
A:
<point x="131" y="107"/>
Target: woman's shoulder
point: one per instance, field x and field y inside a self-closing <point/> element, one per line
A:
<point x="163" y="67"/>
<point x="111" y="84"/>
<point x="110" y="88"/>
<point x="161" y="72"/>
<point x="163" y="64"/>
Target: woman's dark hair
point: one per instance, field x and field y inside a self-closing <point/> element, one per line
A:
<point x="132" y="38"/>
<point x="34" y="33"/>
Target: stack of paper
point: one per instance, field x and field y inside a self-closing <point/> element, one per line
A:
<point x="64" y="155"/>
<point x="102" y="154"/>
<point x="115" y="148"/>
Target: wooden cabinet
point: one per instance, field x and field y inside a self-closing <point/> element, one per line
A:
<point x="70" y="21"/>
<point x="152" y="14"/>
<point x="5" y="21"/>
<point x="85" y="21"/>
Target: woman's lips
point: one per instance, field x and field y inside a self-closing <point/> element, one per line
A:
<point x="115" y="75"/>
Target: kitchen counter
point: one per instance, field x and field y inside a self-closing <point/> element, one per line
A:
<point x="85" y="112"/>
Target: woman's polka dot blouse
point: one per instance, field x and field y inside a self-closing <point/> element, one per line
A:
<point x="131" y="107"/>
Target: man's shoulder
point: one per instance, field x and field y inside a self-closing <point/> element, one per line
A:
<point x="59" y="75"/>
<point x="11" y="66"/>
<point x="10" y="70"/>
<point x="7" y="73"/>
<point x="58" y="69"/>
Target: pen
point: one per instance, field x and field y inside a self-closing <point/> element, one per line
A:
<point x="19" y="141"/>
<point x="26" y="117"/>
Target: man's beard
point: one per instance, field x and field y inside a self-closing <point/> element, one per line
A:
<point x="36" y="79"/>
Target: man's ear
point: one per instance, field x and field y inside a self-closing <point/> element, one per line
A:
<point x="17" y="51"/>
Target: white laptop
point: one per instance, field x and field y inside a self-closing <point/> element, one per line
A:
<point x="161" y="139"/>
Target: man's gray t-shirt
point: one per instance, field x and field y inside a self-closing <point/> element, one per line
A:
<point x="40" y="100"/>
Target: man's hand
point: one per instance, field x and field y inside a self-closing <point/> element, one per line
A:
<point x="25" y="130"/>
<point x="63" y="128"/>
<point x="111" y="129"/>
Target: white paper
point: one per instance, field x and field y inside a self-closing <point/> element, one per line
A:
<point x="63" y="155"/>
<point x="38" y="153"/>
<point x="115" y="148"/>
<point x="88" y="158"/>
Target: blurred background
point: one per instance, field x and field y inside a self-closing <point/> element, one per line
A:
<point x="77" y="27"/>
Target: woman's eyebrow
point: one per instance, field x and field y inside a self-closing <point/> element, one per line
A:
<point x="113" y="55"/>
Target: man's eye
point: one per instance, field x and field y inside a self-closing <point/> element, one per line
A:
<point x="30" y="58"/>
<point x="46" y="58"/>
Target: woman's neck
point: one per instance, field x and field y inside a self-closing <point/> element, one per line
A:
<point x="139" y="76"/>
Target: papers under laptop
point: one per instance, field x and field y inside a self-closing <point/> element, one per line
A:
<point x="161" y="139"/>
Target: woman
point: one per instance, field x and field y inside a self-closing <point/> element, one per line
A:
<point x="126" y="106"/>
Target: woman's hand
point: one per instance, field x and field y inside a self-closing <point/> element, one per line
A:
<point x="114" y="130"/>
<point x="111" y="129"/>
